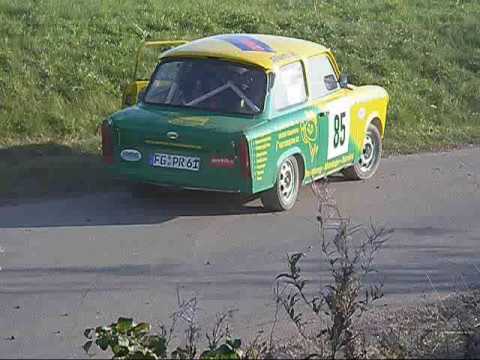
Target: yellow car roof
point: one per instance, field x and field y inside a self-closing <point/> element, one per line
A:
<point x="266" y="51"/>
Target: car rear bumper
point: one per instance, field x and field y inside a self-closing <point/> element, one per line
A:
<point x="149" y="176"/>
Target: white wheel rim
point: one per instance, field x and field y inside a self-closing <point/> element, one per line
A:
<point x="369" y="154"/>
<point x="287" y="181"/>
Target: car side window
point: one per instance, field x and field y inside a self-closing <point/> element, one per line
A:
<point x="290" y="86"/>
<point x="322" y="76"/>
<point x="163" y="82"/>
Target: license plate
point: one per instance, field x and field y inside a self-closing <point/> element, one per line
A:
<point x="175" y="161"/>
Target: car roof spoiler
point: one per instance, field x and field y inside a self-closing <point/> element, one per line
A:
<point x="154" y="44"/>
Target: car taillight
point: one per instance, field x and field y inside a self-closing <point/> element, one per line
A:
<point x="244" y="158"/>
<point x="107" y="143"/>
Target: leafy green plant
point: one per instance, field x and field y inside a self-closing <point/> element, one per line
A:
<point x="231" y="349"/>
<point x="127" y="340"/>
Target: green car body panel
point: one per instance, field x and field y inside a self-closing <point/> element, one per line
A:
<point x="145" y="127"/>
<point x="205" y="135"/>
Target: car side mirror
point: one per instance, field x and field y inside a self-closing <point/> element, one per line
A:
<point x="343" y="81"/>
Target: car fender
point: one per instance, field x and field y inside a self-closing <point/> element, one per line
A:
<point x="369" y="104"/>
<point x="295" y="150"/>
<point x="378" y="99"/>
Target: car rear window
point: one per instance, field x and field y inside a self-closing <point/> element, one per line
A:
<point x="212" y="85"/>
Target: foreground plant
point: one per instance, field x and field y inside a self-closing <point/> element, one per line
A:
<point x="129" y="340"/>
<point x="349" y="251"/>
<point x="468" y="322"/>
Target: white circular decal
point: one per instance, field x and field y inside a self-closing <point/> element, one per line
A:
<point x="131" y="155"/>
<point x="361" y="113"/>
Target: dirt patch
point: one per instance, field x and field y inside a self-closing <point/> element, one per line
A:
<point x="446" y="328"/>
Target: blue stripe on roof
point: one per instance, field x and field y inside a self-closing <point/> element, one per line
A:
<point x="247" y="43"/>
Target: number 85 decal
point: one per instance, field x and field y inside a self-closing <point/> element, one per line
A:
<point x="338" y="131"/>
<point x="339" y="127"/>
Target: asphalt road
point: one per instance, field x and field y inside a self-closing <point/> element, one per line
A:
<point x="72" y="263"/>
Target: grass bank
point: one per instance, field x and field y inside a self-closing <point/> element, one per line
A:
<point x="62" y="63"/>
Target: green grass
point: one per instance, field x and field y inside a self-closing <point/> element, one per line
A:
<point x="62" y="63"/>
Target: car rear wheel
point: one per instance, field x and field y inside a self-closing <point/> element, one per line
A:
<point x="285" y="192"/>
<point x="370" y="159"/>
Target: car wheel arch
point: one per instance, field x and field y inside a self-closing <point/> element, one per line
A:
<point x="301" y="166"/>
<point x="375" y="120"/>
<point x="298" y="154"/>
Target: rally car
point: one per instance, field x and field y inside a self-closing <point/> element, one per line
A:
<point x="252" y="114"/>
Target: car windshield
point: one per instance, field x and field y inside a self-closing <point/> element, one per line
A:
<point x="212" y="85"/>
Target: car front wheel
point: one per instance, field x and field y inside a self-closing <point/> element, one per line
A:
<point x="285" y="192"/>
<point x="367" y="166"/>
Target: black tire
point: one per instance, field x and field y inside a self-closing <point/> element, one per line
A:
<point x="284" y="193"/>
<point x="370" y="159"/>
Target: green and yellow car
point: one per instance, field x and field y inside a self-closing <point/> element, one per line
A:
<point x="252" y="114"/>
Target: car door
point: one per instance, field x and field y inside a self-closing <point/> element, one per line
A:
<point x="298" y="125"/>
<point x="335" y="102"/>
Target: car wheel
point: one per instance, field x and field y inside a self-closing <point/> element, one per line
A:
<point x="285" y="192"/>
<point x="370" y="159"/>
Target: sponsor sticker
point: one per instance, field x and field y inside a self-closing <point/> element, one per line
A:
<point x="131" y="155"/>
<point x="220" y="162"/>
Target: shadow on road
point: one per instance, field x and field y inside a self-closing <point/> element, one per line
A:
<point x="49" y="184"/>
<point x="47" y="170"/>
<point x="126" y="208"/>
